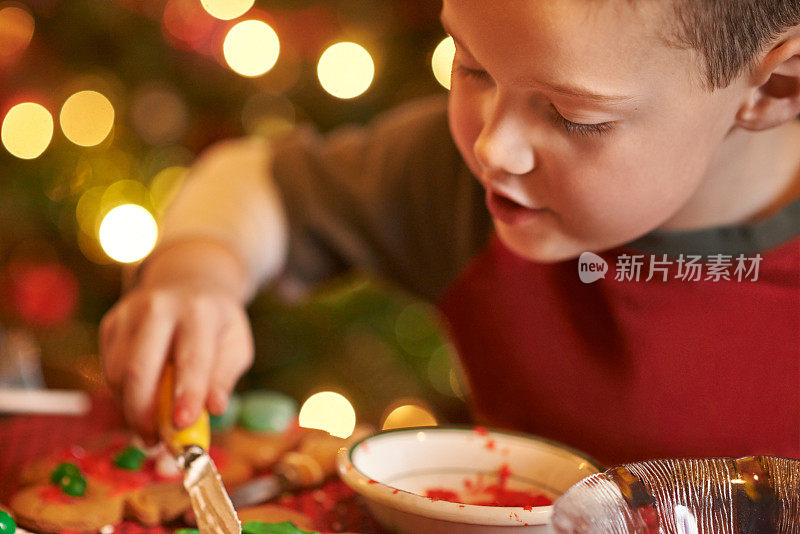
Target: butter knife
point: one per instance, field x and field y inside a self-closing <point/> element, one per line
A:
<point x="212" y="506"/>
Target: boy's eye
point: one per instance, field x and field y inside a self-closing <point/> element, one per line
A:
<point x="577" y="128"/>
<point x="476" y="74"/>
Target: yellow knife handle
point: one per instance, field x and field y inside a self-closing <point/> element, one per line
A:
<point x="198" y="433"/>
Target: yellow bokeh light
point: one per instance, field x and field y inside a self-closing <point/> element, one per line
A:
<point x="227" y="9"/>
<point x="409" y="416"/>
<point x="346" y="70"/>
<point x="442" y="61"/>
<point x="251" y="48"/>
<point x="128" y="233"/>
<point x="87" y="118"/>
<point x="330" y="412"/>
<point x="27" y="130"/>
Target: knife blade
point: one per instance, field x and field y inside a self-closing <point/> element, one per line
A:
<point x="212" y="506"/>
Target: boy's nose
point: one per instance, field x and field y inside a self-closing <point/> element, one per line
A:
<point x="501" y="146"/>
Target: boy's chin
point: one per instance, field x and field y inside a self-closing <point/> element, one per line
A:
<point x="537" y="248"/>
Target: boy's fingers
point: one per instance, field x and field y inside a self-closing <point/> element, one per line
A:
<point x="234" y="357"/>
<point x="195" y="344"/>
<point x="146" y="354"/>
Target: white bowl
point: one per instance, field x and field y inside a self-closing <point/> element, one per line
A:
<point x="393" y="469"/>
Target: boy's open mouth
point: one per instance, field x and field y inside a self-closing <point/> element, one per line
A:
<point x="509" y="211"/>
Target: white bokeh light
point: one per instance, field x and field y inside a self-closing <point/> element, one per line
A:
<point x="330" y="412"/>
<point x="442" y="61"/>
<point x="251" y="48"/>
<point x="346" y="70"/>
<point x="128" y="233"/>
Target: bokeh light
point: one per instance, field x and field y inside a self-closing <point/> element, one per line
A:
<point x="16" y="32"/>
<point x="128" y="233"/>
<point x="27" y="130"/>
<point x="227" y="9"/>
<point x="330" y="412"/>
<point x="442" y="61"/>
<point x="159" y="114"/>
<point x="346" y="70"/>
<point x="409" y="416"/>
<point x="187" y="24"/>
<point x="251" y="48"/>
<point x="87" y="118"/>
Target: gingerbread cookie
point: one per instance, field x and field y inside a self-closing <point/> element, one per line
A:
<point x="47" y="509"/>
<point x="156" y="504"/>
<point x="259" y="427"/>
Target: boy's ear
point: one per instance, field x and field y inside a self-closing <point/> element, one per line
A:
<point x="775" y="97"/>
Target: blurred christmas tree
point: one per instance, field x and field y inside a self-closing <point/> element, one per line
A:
<point x="105" y="103"/>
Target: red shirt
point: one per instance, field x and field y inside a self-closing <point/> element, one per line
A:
<point x="627" y="370"/>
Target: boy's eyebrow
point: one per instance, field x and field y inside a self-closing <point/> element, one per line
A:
<point x="563" y="89"/>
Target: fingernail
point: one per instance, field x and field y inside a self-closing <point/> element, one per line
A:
<point x="182" y="417"/>
<point x="218" y="402"/>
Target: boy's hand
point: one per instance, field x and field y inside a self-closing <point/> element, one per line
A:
<point x="187" y="309"/>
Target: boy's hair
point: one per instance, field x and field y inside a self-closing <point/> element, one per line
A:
<point x="729" y="34"/>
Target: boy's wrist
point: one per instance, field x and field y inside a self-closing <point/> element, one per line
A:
<point x="196" y="263"/>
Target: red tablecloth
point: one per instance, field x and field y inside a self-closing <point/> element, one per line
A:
<point x="333" y="507"/>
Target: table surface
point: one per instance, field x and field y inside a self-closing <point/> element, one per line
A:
<point x="334" y="507"/>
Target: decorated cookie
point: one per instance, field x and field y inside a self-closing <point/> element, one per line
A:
<point x="7" y="523"/>
<point x="158" y="503"/>
<point x="233" y="469"/>
<point x="267" y="411"/>
<point x="260" y="450"/>
<point x="221" y="423"/>
<point x="46" y="508"/>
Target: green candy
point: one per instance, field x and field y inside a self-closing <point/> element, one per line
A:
<point x="130" y="459"/>
<point x="267" y="411"/>
<point x="64" y="470"/>
<point x="7" y="524"/>
<point x="257" y="527"/>
<point x="187" y="531"/>
<point x="73" y="486"/>
<point x="223" y="422"/>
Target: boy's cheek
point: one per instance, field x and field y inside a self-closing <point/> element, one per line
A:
<point x="465" y="126"/>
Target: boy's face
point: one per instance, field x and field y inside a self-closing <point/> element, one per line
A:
<point x="586" y="173"/>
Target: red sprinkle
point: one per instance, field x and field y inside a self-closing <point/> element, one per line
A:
<point x="492" y="495"/>
<point x="373" y="481"/>
<point x="481" y="430"/>
<point x="490" y="445"/>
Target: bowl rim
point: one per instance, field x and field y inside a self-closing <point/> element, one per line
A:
<point x="420" y="505"/>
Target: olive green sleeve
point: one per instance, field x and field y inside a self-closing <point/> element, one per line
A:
<point x="393" y="199"/>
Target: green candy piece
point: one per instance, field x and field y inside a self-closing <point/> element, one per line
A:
<point x="7" y="524"/>
<point x="187" y="531"/>
<point x="130" y="459"/>
<point x="64" y="470"/>
<point x="223" y="422"/>
<point x="287" y="527"/>
<point x="73" y="486"/>
<point x="267" y="411"/>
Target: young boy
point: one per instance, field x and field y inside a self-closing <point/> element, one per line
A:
<point x="658" y="135"/>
